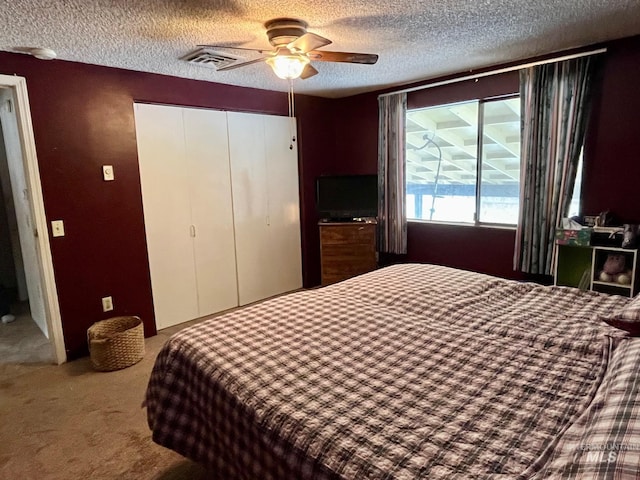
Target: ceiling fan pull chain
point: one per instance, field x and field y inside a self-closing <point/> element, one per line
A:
<point x="290" y="96"/>
<point x="292" y="112"/>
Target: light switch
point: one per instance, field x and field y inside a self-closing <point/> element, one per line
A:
<point x="57" y="228"/>
<point x="107" y="304"/>
<point x="107" y="172"/>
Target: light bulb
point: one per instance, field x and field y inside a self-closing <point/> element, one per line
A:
<point x="288" y="66"/>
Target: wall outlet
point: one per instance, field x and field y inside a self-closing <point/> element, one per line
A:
<point x="107" y="173"/>
<point x="107" y="304"/>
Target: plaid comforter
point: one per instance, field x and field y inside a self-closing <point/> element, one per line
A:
<point x="412" y="371"/>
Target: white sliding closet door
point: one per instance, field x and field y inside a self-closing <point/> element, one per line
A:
<point x="221" y="208"/>
<point x="165" y="194"/>
<point x="186" y="192"/>
<point x="207" y="151"/>
<point x="250" y="208"/>
<point x="264" y="178"/>
<point x="285" y="257"/>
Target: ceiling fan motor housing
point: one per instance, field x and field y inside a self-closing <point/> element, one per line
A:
<point x="282" y="31"/>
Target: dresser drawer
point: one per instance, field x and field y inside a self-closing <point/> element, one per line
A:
<point x="348" y="234"/>
<point x="347" y="250"/>
<point x="362" y="258"/>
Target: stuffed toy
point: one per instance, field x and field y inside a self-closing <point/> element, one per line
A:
<point x="614" y="270"/>
<point x="630" y="236"/>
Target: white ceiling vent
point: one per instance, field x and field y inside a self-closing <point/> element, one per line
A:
<point x="210" y="58"/>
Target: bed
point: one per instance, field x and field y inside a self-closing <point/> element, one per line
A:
<point x="411" y="371"/>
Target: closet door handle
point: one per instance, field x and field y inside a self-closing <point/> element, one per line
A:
<point x="192" y="230"/>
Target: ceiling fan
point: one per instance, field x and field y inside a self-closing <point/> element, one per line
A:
<point x="294" y="49"/>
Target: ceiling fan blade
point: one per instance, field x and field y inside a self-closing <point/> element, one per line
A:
<point x="308" y="71"/>
<point x="227" y="47"/>
<point x="363" y="58"/>
<point x="242" y="64"/>
<point x="308" y="42"/>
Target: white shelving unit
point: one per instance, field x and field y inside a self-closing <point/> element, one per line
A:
<point x="599" y="256"/>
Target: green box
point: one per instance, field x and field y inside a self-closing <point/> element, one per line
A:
<point x="573" y="266"/>
<point x="576" y="238"/>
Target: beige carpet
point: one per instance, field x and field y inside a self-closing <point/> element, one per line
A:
<point x="70" y="422"/>
<point x="22" y="341"/>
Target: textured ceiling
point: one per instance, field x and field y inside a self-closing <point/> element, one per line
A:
<point x="415" y="39"/>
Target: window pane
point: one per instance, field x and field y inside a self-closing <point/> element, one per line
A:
<point x="500" y="175"/>
<point x="574" y="206"/>
<point x="441" y="162"/>
<point x="411" y="206"/>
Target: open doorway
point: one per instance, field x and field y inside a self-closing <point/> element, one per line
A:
<point x="31" y="331"/>
<point x="24" y="335"/>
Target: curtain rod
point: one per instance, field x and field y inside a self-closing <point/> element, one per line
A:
<point x="496" y="72"/>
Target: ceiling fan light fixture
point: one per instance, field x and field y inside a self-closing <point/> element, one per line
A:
<point x="294" y="50"/>
<point x="288" y="66"/>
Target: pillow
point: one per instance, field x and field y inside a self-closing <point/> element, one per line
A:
<point x="626" y="318"/>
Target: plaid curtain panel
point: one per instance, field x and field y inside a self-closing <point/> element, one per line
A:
<point x="392" y="218"/>
<point x="555" y="101"/>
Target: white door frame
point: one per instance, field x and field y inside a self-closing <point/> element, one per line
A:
<point x="32" y="176"/>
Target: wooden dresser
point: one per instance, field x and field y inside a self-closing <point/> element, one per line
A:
<point x="347" y="249"/>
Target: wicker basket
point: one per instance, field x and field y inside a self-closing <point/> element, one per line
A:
<point x="116" y="343"/>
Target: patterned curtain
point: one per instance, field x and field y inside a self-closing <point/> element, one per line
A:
<point x="392" y="219"/>
<point x="554" y="102"/>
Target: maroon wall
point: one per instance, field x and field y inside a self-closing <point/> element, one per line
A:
<point x="612" y="169"/>
<point x="611" y="154"/>
<point x="332" y="145"/>
<point x="83" y="119"/>
<point x="482" y="249"/>
<point x="488" y="250"/>
<point x="356" y="124"/>
<point x="316" y="144"/>
<point x="486" y="87"/>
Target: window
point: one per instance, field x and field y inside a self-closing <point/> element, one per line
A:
<point x="574" y="206"/>
<point x="445" y="180"/>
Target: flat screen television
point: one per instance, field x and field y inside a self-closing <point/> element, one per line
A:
<point x="345" y="197"/>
